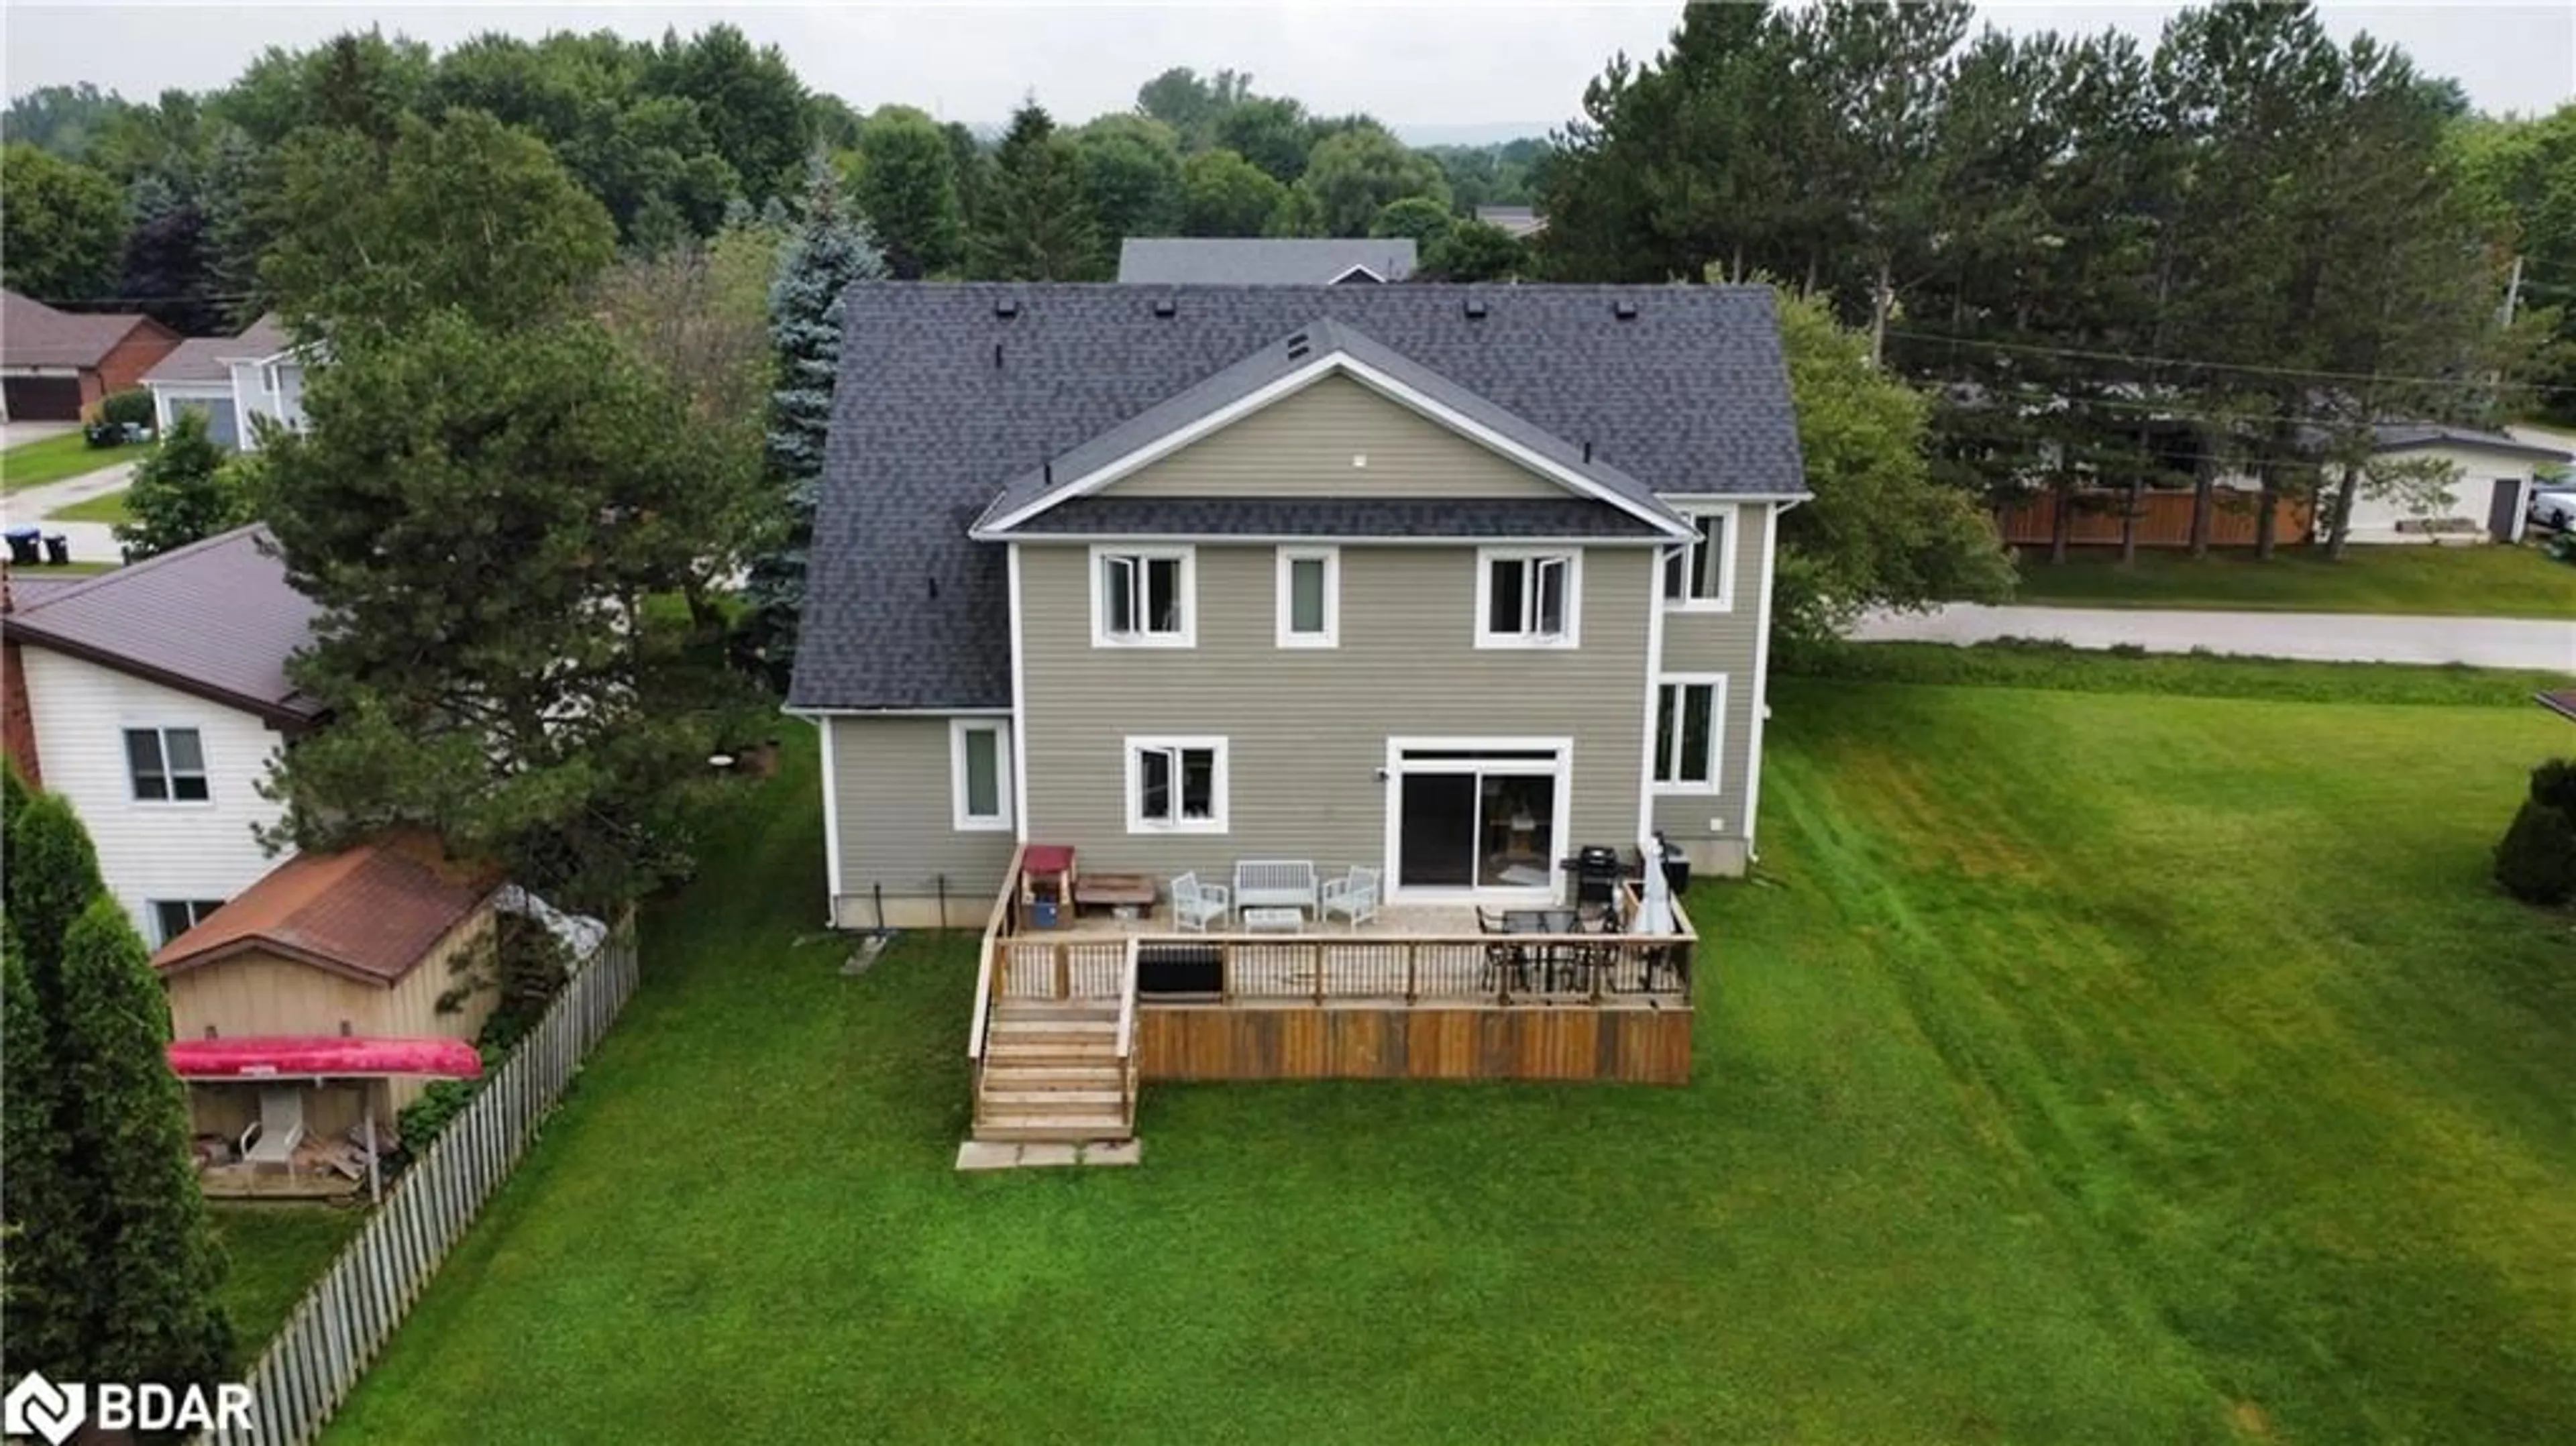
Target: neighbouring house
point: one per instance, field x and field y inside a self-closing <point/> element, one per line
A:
<point x="1263" y="261"/>
<point x="2488" y="502"/>
<point x="1519" y="222"/>
<point x="1377" y="595"/>
<point x="324" y="997"/>
<point x="235" y="382"/>
<point x="57" y="366"/>
<point x="151" y="698"/>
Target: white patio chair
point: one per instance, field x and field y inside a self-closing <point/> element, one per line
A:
<point x="272" y="1138"/>
<point x="1353" y="896"/>
<point x="1195" y="903"/>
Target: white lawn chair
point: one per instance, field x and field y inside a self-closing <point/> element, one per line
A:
<point x="272" y="1138"/>
<point x="1353" y="896"/>
<point x="1195" y="903"/>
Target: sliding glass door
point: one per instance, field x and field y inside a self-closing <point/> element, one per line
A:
<point x="1482" y="819"/>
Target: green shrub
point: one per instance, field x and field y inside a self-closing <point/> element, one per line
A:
<point x="420" y="1122"/>
<point x="129" y="408"/>
<point x="2536" y="863"/>
<point x="2554" y="783"/>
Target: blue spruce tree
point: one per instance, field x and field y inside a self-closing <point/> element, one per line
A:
<point x="829" y="249"/>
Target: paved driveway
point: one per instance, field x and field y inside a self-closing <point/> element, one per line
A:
<point x="13" y="434"/>
<point x="90" y="541"/>
<point x="2331" y="637"/>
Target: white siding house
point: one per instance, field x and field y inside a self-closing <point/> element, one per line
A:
<point x="153" y="850"/>
<point x="238" y="383"/>
<point x="151" y="699"/>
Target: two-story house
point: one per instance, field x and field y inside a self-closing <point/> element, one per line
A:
<point x="151" y="698"/>
<point x="1445" y="581"/>
<point x="1376" y="607"/>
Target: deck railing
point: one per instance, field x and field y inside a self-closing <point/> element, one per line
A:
<point x="1382" y="964"/>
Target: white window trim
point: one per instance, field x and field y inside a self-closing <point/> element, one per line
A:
<point x="1331" y="558"/>
<point x="1572" y="637"/>
<point x="1219" y="785"/>
<point x="1724" y="602"/>
<point x="1187" y="637"/>
<point x="960" y="816"/>
<point x="205" y="759"/>
<point x="1716" y="785"/>
<point x="1560" y="767"/>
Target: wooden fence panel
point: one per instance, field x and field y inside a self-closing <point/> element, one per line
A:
<point x="2164" y="519"/>
<point x="336" y="1331"/>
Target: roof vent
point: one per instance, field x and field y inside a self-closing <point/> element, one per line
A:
<point x="997" y="356"/>
<point x="1007" y="307"/>
<point x="1046" y="474"/>
<point x="1166" y="307"/>
<point x="1475" y="308"/>
<point x="1624" y="309"/>
<point x="1587" y="451"/>
<point x="1298" y="346"/>
<point x="934" y="588"/>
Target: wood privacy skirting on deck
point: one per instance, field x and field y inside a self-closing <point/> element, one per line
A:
<point x="2164" y="519"/>
<point x="1641" y="1045"/>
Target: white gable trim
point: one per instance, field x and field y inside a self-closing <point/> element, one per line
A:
<point x="1357" y="268"/>
<point x="1331" y="364"/>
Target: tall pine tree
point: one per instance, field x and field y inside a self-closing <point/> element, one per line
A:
<point x="42" y="1292"/>
<point x="153" y="1265"/>
<point x="830" y="249"/>
<point x="1033" y="223"/>
<point x="52" y="876"/>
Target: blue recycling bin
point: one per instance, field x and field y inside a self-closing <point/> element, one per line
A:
<point x="23" y="542"/>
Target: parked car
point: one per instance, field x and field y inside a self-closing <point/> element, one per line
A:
<point x="2555" y="507"/>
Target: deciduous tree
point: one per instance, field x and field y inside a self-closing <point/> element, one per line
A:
<point x="186" y="491"/>
<point x="64" y="227"/>
<point x="1355" y="173"/>
<point x="1222" y="194"/>
<point x="906" y="185"/>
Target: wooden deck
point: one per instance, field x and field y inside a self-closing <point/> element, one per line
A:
<point x="1070" y="1021"/>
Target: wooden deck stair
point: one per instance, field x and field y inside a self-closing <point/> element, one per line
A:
<point x="1052" y="1072"/>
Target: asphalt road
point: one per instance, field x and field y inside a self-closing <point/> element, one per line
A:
<point x="2329" y="637"/>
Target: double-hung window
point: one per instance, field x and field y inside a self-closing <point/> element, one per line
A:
<point x="1528" y="598"/>
<point x="166" y="765"/>
<point x="1143" y="597"/>
<point x="979" y="768"/>
<point x="1176" y="785"/>
<point x="1310" y="597"/>
<point x="1699" y="575"/>
<point x="1690" y="719"/>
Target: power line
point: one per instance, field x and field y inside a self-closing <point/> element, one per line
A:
<point x="2189" y="363"/>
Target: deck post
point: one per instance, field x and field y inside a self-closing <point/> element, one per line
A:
<point x="1225" y="971"/>
<point x="1412" y="992"/>
<point x="1063" y="970"/>
<point x="1318" y="951"/>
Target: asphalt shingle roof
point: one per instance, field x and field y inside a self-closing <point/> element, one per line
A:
<point x="215" y="618"/>
<point x="943" y="400"/>
<point x="203" y="358"/>
<point x="33" y="334"/>
<point x="2397" y="436"/>
<point x="1259" y="261"/>
<point x="1441" y="517"/>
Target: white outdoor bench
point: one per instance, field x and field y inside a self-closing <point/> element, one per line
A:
<point x="1274" y="884"/>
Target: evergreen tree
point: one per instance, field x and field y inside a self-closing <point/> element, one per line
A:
<point x="153" y="1266"/>
<point x="168" y="269"/>
<point x="52" y="876"/>
<point x="829" y="250"/>
<point x="1034" y="223"/>
<point x="42" y="1294"/>
<point x="186" y="491"/>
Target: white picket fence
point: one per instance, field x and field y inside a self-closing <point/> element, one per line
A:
<point x="336" y="1331"/>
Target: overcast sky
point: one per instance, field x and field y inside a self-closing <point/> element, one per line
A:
<point x="1426" y="68"/>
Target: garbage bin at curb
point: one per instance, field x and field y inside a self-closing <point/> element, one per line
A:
<point x="22" y="545"/>
<point x="58" y="550"/>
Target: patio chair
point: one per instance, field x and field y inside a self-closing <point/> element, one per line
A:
<point x="1502" y="957"/>
<point x="1353" y="896"/>
<point x="1195" y="903"/>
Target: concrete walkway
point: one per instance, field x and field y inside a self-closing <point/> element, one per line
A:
<point x="90" y="541"/>
<point x="2329" y="637"/>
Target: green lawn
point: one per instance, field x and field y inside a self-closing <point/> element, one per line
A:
<point x="275" y="1251"/>
<point x="2463" y="581"/>
<point x="34" y="464"/>
<point x="2099" y="1067"/>
<point x="109" y="509"/>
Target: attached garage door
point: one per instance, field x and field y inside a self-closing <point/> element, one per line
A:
<point x="43" y="399"/>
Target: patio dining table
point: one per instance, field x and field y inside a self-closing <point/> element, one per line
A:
<point x="1556" y="962"/>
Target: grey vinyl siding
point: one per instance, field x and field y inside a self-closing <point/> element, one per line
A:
<point x="1307" y="728"/>
<point x="1721" y="643"/>
<point x="890" y="781"/>
<point x="1302" y="446"/>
